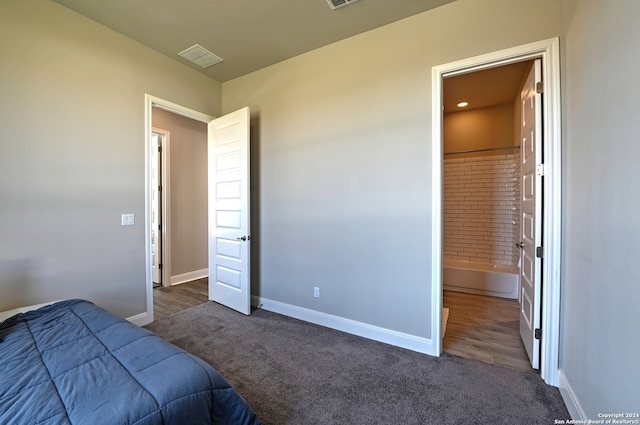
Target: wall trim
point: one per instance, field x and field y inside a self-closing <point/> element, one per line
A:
<point x="549" y="51"/>
<point x="189" y="276"/>
<point x="353" y="327"/>
<point x="165" y="219"/>
<point x="140" y="319"/>
<point x="570" y="398"/>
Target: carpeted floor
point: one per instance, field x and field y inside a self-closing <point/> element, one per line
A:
<point x="293" y="372"/>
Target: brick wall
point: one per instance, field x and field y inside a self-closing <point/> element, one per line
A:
<point x="482" y="208"/>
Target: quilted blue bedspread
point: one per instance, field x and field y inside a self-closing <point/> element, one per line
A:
<point x="75" y="363"/>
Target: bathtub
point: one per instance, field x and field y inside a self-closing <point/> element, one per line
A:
<point x="481" y="278"/>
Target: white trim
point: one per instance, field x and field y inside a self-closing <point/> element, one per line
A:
<point x="571" y="399"/>
<point x="149" y="103"/>
<point x="165" y="232"/>
<point x="179" y="109"/>
<point x="436" y="212"/>
<point x="548" y="50"/>
<point x="4" y="315"/>
<point x="140" y="319"/>
<point x="188" y="277"/>
<point x="552" y="217"/>
<point x="376" y="333"/>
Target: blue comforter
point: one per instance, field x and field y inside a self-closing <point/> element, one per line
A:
<point x="75" y="363"/>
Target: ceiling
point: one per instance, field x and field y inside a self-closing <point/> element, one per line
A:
<point x="489" y="87"/>
<point x="252" y="34"/>
<point x="246" y="34"/>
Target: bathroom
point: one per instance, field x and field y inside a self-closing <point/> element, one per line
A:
<point x="481" y="205"/>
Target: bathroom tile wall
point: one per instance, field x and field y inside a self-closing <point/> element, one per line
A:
<point x="482" y="208"/>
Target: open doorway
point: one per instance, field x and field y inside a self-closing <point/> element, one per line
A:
<point x="548" y="52"/>
<point x="482" y="223"/>
<point x="176" y="213"/>
<point x="225" y="213"/>
<point x="184" y="190"/>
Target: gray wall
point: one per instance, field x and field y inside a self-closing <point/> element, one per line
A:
<point x="188" y="190"/>
<point x="345" y="159"/>
<point x="601" y="288"/>
<point x="72" y="155"/>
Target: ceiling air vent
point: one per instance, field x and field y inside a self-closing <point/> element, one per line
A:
<point x="200" y="56"/>
<point x="334" y="4"/>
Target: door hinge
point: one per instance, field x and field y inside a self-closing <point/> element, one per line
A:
<point x="540" y="170"/>
<point x="159" y="188"/>
<point x="159" y="149"/>
<point x="160" y="266"/>
<point x="537" y="334"/>
<point x="540" y="87"/>
<point x="539" y="252"/>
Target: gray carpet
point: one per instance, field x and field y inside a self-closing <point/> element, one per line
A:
<point x="292" y="372"/>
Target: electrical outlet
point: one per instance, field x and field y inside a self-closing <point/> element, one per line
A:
<point x="316" y="292"/>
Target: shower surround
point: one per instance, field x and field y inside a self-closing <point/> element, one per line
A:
<point x="482" y="216"/>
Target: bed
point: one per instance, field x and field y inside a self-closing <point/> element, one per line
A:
<point x="72" y="362"/>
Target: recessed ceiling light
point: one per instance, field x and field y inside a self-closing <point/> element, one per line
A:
<point x="463" y="104"/>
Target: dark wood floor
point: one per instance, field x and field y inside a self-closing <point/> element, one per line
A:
<point x="479" y="327"/>
<point x="169" y="300"/>
<point x="485" y="328"/>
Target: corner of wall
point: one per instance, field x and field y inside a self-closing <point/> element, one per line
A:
<point x="570" y="398"/>
<point x="141" y="319"/>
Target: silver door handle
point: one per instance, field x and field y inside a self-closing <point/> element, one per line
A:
<point x="244" y="238"/>
<point x="520" y="245"/>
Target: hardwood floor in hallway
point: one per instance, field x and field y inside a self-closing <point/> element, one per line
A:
<point x="486" y="329"/>
<point x="169" y="300"/>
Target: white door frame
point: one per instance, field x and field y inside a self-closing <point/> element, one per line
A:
<point x="165" y="212"/>
<point x="549" y="51"/>
<point x="151" y="102"/>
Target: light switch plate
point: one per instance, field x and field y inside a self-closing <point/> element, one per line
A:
<point x="128" y="219"/>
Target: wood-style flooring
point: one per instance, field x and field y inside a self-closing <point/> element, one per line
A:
<point x="479" y="327"/>
<point x="171" y="299"/>
<point x="485" y="328"/>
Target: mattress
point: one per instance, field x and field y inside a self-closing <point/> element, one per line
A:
<point x="74" y="363"/>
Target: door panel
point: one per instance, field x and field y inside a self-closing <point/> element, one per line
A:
<point x="229" y="240"/>
<point x="531" y="207"/>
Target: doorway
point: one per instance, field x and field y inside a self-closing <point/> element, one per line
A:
<point x="168" y="276"/>
<point x="548" y="52"/>
<point x="482" y="228"/>
<point x="226" y="182"/>
<point x="184" y="222"/>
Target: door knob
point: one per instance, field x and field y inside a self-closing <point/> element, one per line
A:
<point x="520" y="245"/>
<point x="244" y="238"/>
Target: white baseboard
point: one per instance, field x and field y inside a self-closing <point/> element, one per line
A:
<point x="376" y="333"/>
<point x="570" y="399"/>
<point x="188" y="277"/>
<point x="140" y="319"/>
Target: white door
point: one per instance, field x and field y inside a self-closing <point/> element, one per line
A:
<point x="531" y="208"/>
<point x="156" y="211"/>
<point x="229" y="238"/>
